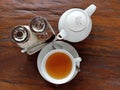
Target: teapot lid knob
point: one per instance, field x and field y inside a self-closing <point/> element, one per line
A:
<point x="77" y="20"/>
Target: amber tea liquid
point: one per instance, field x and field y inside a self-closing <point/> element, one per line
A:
<point x="58" y="65"/>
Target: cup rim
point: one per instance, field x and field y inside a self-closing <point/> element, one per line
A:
<point x="51" y="79"/>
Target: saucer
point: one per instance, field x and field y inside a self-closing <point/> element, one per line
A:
<point x="49" y="47"/>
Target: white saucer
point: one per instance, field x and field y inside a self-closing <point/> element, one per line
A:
<point x="49" y="47"/>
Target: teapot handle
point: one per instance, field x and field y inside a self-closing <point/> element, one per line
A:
<point x="90" y="10"/>
<point x="61" y="35"/>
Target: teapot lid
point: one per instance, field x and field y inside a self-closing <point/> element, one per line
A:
<point x="77" y="20"/>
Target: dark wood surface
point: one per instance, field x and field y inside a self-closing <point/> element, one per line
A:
<point x="100" y="68"/>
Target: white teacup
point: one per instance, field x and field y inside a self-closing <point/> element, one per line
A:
<point x="56" y="70"/>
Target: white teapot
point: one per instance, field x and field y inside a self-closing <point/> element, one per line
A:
<point x="75" y="24"/>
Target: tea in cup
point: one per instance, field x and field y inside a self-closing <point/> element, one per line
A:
<point x="59" y="66"/>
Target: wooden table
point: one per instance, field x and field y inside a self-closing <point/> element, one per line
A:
<point x="100" y="68"/>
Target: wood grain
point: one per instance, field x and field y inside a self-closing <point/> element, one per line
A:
<point x="100" y="68"/>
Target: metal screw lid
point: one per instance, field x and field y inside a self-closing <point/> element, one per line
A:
<point x="20" y="34"/>
<point x="38" y="24"/>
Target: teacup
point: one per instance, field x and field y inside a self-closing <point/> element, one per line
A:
<point x="59" y="66"/>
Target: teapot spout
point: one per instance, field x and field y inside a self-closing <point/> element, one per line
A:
<point x="90" y="10"/>
<point x="61" y="35"/>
